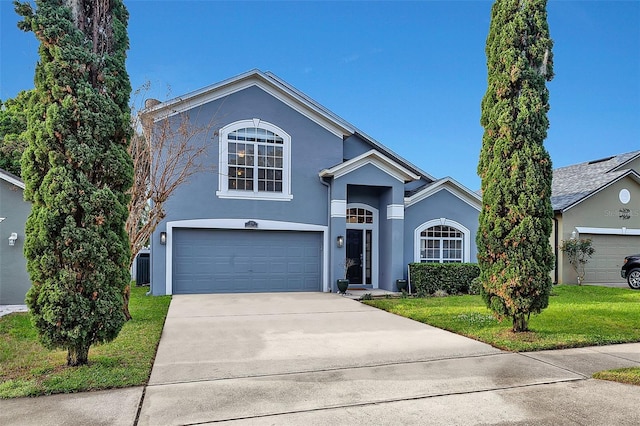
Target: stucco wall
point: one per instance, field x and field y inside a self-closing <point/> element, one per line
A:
<point x="372" y="186"/>
<point x="442" y="204"/>
<point x="14" y="280"/>
<point x="602" y="210"/>
<point x="313" y="149"/>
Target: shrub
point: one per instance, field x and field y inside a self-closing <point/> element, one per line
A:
<point x="453" y="278"/>
<point x="475" y="286"/>
<point x="579" y="251"/>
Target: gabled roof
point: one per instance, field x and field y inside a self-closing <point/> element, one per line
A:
<point x="12" y="179"/>
<point x="449" y="184"/>
<point x="281" y="90"/>
<point x="376" y="159"/>
<point x="573" y="184"/>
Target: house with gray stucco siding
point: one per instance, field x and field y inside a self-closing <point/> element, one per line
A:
<point x="294" y="191"/>
<point x="14" y="280"/>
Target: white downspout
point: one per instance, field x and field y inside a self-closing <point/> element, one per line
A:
<point x="328" y="272"/>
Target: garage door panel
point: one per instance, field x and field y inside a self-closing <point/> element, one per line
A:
<point x="610" y="250"/>
<point x="220" y="261"/>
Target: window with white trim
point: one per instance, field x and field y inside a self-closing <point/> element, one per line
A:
<point x="441" y="244"/>
<point x="254" y="161"/>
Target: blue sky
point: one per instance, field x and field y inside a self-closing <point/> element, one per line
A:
<point x="409" y="74"/>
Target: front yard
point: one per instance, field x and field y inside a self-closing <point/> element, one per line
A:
<point x="28" y="369"/>
<point x="577" y="316"/>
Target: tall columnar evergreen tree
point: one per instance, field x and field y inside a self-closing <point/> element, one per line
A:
<point x="77" y="171"/>
<point x="514" y="253"/>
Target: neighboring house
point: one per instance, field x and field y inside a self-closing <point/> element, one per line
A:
<point x="295" y="191"/>
<point x="14" y="280"/>
<point x="599" y="200"/>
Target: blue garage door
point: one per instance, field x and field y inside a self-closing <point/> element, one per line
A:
<point x="245" y="261"/>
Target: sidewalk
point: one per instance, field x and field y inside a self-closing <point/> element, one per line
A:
<point x="325" y="359"/>
<point x="618" y="401"/>
<point x="9" y="309"/>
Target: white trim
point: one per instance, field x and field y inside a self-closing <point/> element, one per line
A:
<point x="607" y="231"/>
<point x="258" y="196"/>
<point x="223" y="163"/>
<point x="395" y="211"/>
<point x="466" y="256"/>
<point x="622" y="165"/>
<point x="375" y="226"/>
<point x="282" y="91"/>
<point x="453" y="187"/>
<point x="11" y="179"/>
<point x="338" y="208"/>
<point x="631" y="173"/>
<point x="244" y="81"/>
<point x="376" y="159"/>
<point x="264" y="225"/>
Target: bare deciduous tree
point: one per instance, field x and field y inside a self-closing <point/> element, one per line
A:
<point x="165" y="156"/>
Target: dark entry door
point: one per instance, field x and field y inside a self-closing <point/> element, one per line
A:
<point x="355" y="244"/>
<point x="360" y="250"/>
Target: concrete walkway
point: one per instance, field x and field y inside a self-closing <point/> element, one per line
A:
<point x="317" y="358"/>
<point x="9" y="309"/>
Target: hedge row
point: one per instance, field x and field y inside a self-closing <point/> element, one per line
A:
<point x="454" y="278"/>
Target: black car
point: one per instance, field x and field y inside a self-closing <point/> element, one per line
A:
<point x="631" y="271"/>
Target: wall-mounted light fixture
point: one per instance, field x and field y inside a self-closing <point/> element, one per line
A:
<point x="573" y="235"/>
<point x="163" y="238"/>
<point x="12" y="239"/>
<point x="340" y="241"/>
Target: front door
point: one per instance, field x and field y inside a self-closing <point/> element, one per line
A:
<point x="360" y="271"/>
<point x="360" y="246"/>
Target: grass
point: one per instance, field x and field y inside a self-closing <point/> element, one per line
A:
<point x="577" y="316"/>
<point x="29" y="369"/>
<point x="630" y="376"/>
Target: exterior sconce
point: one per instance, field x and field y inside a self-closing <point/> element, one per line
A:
<point x="340" y="241"/>
<point x="163" y="238"/>
<point x="573" y="235"/>
<point x="12" y="239"/>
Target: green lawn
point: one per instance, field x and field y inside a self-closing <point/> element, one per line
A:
<point x="577" y="316"/>
<point x="623" y="375"/>
<point x="28" y="369"/>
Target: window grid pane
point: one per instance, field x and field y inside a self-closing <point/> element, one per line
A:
<point x="442" y="244"/>
<point x="359" y="215"/>
<point x="264" y="171"/>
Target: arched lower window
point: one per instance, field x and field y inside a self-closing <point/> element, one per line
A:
<point x="442" y="241"/>
<point x="254" y="161"/>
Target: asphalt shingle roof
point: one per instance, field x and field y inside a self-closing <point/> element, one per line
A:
<point x="573" y="183"/>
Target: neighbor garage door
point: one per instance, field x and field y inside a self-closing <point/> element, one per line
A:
<point x="242" y="261"/>
<point x="604" y="266"/>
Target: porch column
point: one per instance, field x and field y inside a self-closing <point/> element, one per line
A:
<point x="395" y="226"/>
<point x="337" y="228"/>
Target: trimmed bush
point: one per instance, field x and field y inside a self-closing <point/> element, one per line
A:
<point x="453" y="278"/>
<point x="476" y="286"/>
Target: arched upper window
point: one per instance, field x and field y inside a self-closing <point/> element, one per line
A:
<point x="442" y="241"/>
<point x="254" y="161"/>
<point x="359" y="215"/>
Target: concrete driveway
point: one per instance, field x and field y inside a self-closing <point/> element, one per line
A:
<point x="318" y="358"/>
